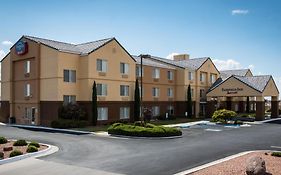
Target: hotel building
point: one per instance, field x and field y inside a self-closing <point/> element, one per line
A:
<point x="40" y="75"/>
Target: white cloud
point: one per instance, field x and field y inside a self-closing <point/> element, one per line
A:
<point x="7" y="43"/>
<point x="171" y="56"/>
<point x="239" y="12"/>
<point x="227" y="64"/>
<point x="251" y="67"/>
<point x="2" y="54"/>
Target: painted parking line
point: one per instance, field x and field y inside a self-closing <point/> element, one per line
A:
<point x="215" y="130"/>
<point x="278" y="147"/>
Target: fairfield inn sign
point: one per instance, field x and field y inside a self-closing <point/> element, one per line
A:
<point x="21" y="48"/>
<point x="231" y="90"/>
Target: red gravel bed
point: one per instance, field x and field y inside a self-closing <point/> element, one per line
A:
<point x="237" y="165"/>
<point x="20" y="148"/>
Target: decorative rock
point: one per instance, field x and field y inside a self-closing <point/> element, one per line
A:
<point x="1" y="155"/>
<point x="255" y="166"/>
<point x="8" y="148"/>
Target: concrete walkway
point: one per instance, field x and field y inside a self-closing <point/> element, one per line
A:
<point x="33" y="166"/>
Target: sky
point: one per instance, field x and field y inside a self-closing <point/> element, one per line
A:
<point x="234" y="33"/>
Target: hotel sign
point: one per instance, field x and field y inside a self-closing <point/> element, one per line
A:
<point x="21" y="48"/>
<point x="231" y="90"/>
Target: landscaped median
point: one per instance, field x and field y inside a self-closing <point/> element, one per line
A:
<point x="140" y="129"/>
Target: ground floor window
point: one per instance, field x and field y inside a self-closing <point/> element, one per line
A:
<point x="69" y="99"/>
<point x="171" y="110"/>
<point x="236" y="107"/>
<point x="102" y="113"/>
<point x="124" y="112"/>
<point x="155" y="111"/>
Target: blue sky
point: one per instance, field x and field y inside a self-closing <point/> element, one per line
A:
<point x="234" y="33"/>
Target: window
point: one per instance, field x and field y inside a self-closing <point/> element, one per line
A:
<point x="28" y="113"/>
<point x="190" y="75"/>
<point x="27" y="90"/>
<point x="171" y="110"/>
<point x="124" y="68"/>
<point x="27" y="67"/>
<point x="213" y="78"/>
<point x="138" y="71"/>
<point x="102" y="89"/>
<point x="102" y="113"/>
<point x="202" y="93"/>
<point x="155" y="110"/>
<point x="156" y="73"/>
<point x="155" y="92"/>
<point x="202" y="77"/>
<point x="124" y="112"/>
<point x="170" y="75"/>
<point x="170" y="92"/>
<point x="69" y="99"/>
<point x="124" y="90"/>
<point x="101" y="65"/>
<point x="69" y="76"/>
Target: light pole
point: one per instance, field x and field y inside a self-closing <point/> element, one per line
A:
<point x="141" y="99"/>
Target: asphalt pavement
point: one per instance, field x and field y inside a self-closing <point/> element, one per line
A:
<point x="145" y="156"/>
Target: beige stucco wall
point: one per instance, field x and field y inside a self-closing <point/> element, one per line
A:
<point x="5" y="79"/>
<point x="271" y="89"/>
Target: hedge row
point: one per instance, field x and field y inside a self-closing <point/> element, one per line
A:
<point x="149" y="130"/>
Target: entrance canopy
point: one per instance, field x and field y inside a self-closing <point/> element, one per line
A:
<point x="242" y="86"/>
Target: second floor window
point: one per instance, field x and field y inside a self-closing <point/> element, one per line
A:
<point x="102" y="89"/>
<point x="170" y="75"/>
<point x="202" y="77"/>
<point x="69" y="76"/>
<point x="27" y="90"/>
<point x="67" y="99"/>
<point x="124" y="90"/>
<point x="155" y="92"/>
<point x="156" y="73"/>
<point x="27" y="67"/>
<point x="101" y="65"/>
<point x="170" y="92"/>
<point x="190" y="75"/>
<point x="124" y="68"/>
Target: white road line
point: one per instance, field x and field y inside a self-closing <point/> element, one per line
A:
<point x="216" y="130"/>
<point x="278" y="147"/>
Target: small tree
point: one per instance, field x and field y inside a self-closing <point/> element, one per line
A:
<point x="248" y="105"/>
<point x="189" y="102"/>
<point x="137" y="102"/>
<point x="94" y="104"/>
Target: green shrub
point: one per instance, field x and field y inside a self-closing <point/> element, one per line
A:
<point x="31" y="149"/>
<point x="34" y="144"/>
<point x="149" y="130"/>
<point x="64" y="124"/>
<point x="15" y="153"/>
<point x="3" y="140"/>
<point x="72" y="111"/>
<point x="223" y="114"/>
<point x="276" y="154"/>
<point x="20" y="143"/>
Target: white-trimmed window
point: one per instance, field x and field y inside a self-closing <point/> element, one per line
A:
<point x="170" y="92"/>
<point x="124" y="90"/>
<point x="202" y="76"/>
<point x="69" y="75"/>
<point x="27" y="67"/>
<point x="69" y="99"/>
<point x="27" y="90"/>
<point x="124" y="113"/>
<point x="190" y="75"/>
<point x="138" y="71"/>
<point x="102" y="89"/>
<point x="124" y="68"/>
<point x="170" y="75"/>
<point x="156" y="73"/>
<point x="102" y="113"/>
<point x="155" y="92"/>
<point x="101" y="65"/>
<point x="155" y="110"/>
<point x="213" y="78"/>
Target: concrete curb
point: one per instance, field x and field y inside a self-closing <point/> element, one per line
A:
<point x="187" y="124"/>
<point x="192" y="170"/>
<point x="50" y="150"/>
<point x="48" y="129"/>
<point x="105" y="134"/>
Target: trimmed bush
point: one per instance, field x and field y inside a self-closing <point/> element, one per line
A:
<point x="276" y="154"/>
<point x="20" y="143"/>
<point x="34" y="144"/>
<point x="149" y="130"/>
<point x="3" y="140"/>
<point x="15" y="153"/>
<point x="31" y="149"/>
<point x="64" y="124"/>
<point x="72" y="112"/>
<point x="223" y="115"/>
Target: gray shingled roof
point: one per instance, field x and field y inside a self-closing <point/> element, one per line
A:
<point x="150" y="62"/>
<point x="239" y="72"/>
<point x="82" y="49"/>
<point x="192" y="64"/>
<point x="256" y="82"/>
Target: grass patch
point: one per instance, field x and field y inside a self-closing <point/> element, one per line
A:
<point x="149" y="130"/>
<point x="276" y="154"/>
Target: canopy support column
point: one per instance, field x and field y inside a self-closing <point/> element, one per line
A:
<point x="260" y="109"/>
<point x="274" y="107"/>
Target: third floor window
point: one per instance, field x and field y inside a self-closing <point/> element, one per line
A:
<point x="27" y="67"/>
<point x="101" y="65"/>
<point x="170" y="75"/>
<point x="124" y="68"/>
<point x="69" y="75"/>
<point x="156" y="73"/>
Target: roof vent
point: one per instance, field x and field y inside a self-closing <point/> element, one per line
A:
<point x="181" y="57"/>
